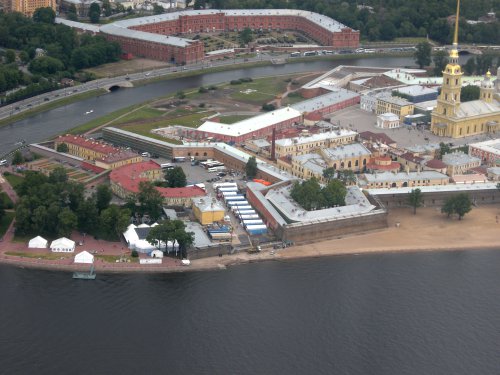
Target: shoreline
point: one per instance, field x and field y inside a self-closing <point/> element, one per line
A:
<point x="427" y="231"/>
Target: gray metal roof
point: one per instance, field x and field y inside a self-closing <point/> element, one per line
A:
<point x="322" y="101"/>
<point x="78" y="25"/>
<point x="403" y="176"/>
<point x="459" y="158"/>
<point x="346" y="151"/>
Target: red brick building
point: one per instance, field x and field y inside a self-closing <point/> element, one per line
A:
<point x="157" y="37"/>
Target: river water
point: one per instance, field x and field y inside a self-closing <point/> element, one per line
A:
<point x="388" y="314"/>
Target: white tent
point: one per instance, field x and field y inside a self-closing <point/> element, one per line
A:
<point x="62" y="245"/>
<point x="84" y="257"/>
<point x="38" y="243"/>
<point x="156" y="254"/>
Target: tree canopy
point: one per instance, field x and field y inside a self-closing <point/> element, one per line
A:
<point x="150" y="200"/>
<point x="423" y="54"/>
<point x="415" y="198"/>
<point x="54" y="206"/>
<point x="175" y="177"/>
<point x="251" y="167"/>
<point x="173" y="231"/>
<point x="459" y="204"/>
<point x="311" y="196"/>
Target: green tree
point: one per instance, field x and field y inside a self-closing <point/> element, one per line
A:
<point x="468" y="93"/>
<point x="24" y="57"/>
<point x="17" y="158"/>
<point x="387" y="31"/>
<point x="184" y="239"/>
<point x="162" y="233"/>
<point x="44" y="15"/>
<point x="62" y="147"/>
<point x="329" y="173"/>
<point x="58" y="175"/>
<point x="106" y="7"/>
<point x="88" y="216"/>
<point x="347" y="177"/>
<point x="45" y="65"/>
<point x="462" y="205"/>
<point x="158" y="9"/>
<point x="10" y="56"/>
<point x="444" y="148"/>
<point x="113" y="221"/>
<point x="440" y="60"/>
<point x="103" y="197"/>
<point x="251" y="168"/>
<point x="459" y="204"/>
<point x="415" y="198"/>
<point x="67" y="222"/>
<point x="334" y="193"/>
<point x="94" y="12"/>
<point x="423" y="54"/>
<point x="245" y="36"/>
<point x="180" y="95"/>
<point x="470" y="67"/>
<point x="175" y="177"/>
<point x="150" y="200"/>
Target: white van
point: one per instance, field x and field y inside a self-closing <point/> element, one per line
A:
<point x="146" y="155"/>
<point x="3" y="162"/>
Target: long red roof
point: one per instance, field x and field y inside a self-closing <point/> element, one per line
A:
<point x="129" y="178"/>
<point x="90" y="144"/>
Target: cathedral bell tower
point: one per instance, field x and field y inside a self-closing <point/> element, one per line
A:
<point x="487" y="89"/>
<point x="449" y="99"/>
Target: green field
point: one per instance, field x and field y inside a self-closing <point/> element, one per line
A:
<point x="13" y="179"/>
<point x="143" y="113"/>
<point x="5" y="222"/>
<point x="265" y="89"/>
<point x="6" y="201"/>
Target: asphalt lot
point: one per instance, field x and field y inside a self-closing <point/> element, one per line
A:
<point x="358" y="120"/>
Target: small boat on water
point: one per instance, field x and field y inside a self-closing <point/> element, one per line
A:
<point x="85" y="275"/>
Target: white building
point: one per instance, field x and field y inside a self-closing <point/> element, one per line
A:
<point x="38" y="243"/>
<point x="84" y="257"/>
<point x="136" y="239"/>
<point x="387" y="121"/>
<point x="62" y="245"/>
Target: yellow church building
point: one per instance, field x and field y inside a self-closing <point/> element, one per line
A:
<point x="454" y="119"/>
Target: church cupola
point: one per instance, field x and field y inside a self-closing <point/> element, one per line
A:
<point x="487" y="89"/>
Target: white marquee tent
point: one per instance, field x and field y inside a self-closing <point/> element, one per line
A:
<point x="38" y="243"/>
<point x="84" y="257"/>
<point x="62" y="245"/>
<point x="156" y="254"/>
<point x="136" y="239"/>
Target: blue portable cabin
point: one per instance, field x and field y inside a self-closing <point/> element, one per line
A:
<point x="256" y="229"/>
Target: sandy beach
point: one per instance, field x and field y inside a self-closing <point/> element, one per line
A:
<point x="428" y="230"/>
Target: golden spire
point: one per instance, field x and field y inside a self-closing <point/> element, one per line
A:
<point x="455" y="35"/>
<point x="454" y="49"/>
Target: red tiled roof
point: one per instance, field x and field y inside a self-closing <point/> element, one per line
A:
<point x="88" y="143"/>
<point x="128" y="176"/>
<point x="120" y="155"/>
<point x="410" y="157"/>
<point x="376" y="137"/>
<point x="435" y="164"/>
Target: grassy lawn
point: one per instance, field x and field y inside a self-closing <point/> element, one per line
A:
<point x="231" y="119"/>
<point x="6" y="201"/>
<point x="48" y="256"/>
<point x="141" y="114"/>
<point x="13" y="179"/>
<point x="5" y="222"/>
<point x="111" y="117"/>
<point x="265" y="89"/>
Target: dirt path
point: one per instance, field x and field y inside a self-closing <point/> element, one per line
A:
<point x="277" y="101"/>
